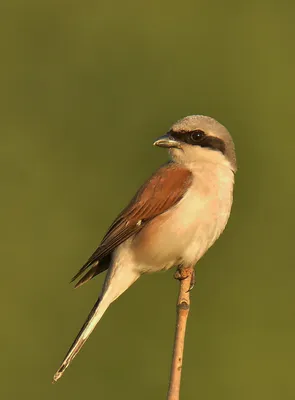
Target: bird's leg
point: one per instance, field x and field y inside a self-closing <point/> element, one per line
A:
<point x="184" y="273"/>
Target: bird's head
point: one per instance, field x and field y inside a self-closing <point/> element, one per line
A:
<point x="197" y="137"/>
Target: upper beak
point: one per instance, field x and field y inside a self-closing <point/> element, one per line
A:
<point x="167" y="141"/>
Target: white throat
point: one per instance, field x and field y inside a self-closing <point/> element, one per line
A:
<point x="191" y="155"/>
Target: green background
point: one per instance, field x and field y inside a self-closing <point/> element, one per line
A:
<point x="85" y="89"/>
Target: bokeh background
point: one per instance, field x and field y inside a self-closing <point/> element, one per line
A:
<point x="85" y="89"/>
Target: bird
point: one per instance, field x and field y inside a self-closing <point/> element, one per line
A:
<point x="172" y="220"/>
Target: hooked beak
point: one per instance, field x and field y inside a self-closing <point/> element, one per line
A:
<point x="167" y="141"/>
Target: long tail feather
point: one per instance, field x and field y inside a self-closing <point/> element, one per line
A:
<point x="117" y="281"/>
<point x="94" y="316"/>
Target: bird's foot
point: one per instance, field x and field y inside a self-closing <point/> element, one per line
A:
<point x="184" y="273"/>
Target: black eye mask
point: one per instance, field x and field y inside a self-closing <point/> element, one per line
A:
<point x="199" y="138"/>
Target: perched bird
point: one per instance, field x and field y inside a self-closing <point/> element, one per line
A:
<point x="171" y="221"/>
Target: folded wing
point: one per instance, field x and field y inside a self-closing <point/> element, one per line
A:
<point x="161" y="192"/>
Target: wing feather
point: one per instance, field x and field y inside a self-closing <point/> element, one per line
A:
<point x="161" y="192"/>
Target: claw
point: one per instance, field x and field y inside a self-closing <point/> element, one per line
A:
<point x="193" y="281"/>
<point x="177" y="275"/>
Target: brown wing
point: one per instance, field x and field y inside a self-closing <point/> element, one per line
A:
<point x="162" y="191"/>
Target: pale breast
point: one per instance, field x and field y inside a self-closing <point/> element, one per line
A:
<point x="187" y="230"/>
<point x="218" y="191"/>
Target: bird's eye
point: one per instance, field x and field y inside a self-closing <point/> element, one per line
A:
<point x="197" y="135"/>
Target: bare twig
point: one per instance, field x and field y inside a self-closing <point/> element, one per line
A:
<point x="185" y="277"/>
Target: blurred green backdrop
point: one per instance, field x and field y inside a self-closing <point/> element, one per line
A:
<point x="85" y="88"/>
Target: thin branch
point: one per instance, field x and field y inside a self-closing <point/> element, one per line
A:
<point x="185" y="277"/>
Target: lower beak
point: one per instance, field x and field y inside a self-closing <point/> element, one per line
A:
<point x="167" y="141"/>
